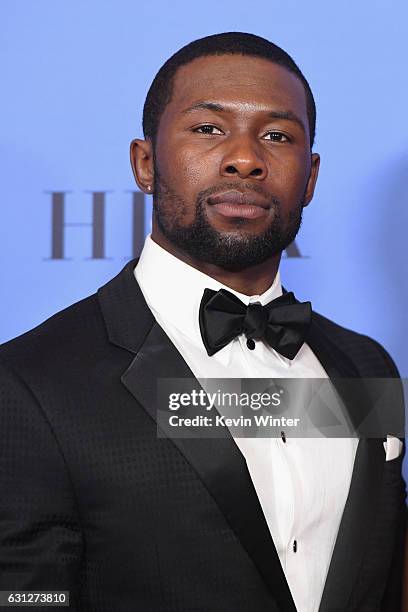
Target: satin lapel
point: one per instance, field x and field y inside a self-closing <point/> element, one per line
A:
<point x="355" y="526"/>
<point x="340" y="370"/>
<point x="218" y="462"/>
<point x="360" y="508"/>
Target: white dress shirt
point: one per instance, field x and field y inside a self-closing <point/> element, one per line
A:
<point x="302" y="484"/>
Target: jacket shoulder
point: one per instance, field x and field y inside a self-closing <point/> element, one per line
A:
<point x="368" y="354"/>
<point x="73" y="330"/>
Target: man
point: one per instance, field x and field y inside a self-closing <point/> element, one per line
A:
<point x="93" y="501"/>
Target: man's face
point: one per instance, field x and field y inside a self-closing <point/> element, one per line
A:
<point x="232" y="161"/>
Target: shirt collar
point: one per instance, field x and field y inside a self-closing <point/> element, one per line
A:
<point x="173" y="289"/>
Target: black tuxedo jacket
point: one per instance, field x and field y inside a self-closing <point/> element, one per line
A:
<point x="93" y="502"/>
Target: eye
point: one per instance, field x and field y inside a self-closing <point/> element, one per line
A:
<point x="277" y="137"/>
<point x="207" y="129"/>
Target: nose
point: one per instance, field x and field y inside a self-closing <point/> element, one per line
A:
<point x="242" y="158"/>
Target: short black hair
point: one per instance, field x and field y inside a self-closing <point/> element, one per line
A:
<point x="227" y="43"/>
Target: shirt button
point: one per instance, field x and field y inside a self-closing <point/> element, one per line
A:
<point x="294" y="546"/>
<point x="283" y="436"/>
<point x="250" y="344"/>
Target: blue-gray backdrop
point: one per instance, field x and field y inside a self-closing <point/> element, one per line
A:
<point x="74" y="77"/>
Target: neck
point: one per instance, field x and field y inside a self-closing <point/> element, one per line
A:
<point x="253" y="280"/>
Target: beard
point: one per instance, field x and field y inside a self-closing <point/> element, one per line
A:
<point x="231" y="250"/>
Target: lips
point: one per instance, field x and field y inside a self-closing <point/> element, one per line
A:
<point x="237" y="204"/>
<point x="249" y="198"/>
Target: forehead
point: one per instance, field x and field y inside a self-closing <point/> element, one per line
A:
<point x="244" y="81"/>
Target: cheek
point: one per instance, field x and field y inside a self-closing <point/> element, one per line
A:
<point x="292" y="176"/>
<point x="186" y="167"/>
<point x="177" y="170"/>
<point x="198" y="169"/>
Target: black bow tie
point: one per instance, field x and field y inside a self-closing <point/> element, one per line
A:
<point x="283" y="323"/>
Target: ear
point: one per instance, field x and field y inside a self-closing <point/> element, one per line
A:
<point x="311" y="183"/>
<point x="141" y="159"/>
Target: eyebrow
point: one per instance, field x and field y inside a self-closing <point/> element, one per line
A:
<point x="218" y="108"/>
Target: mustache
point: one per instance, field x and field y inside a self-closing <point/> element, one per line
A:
<point x="160" y="186"/>
<point x="215" y="189"/>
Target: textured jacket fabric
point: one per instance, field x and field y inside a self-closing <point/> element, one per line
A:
<point x="94" y="503"/>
